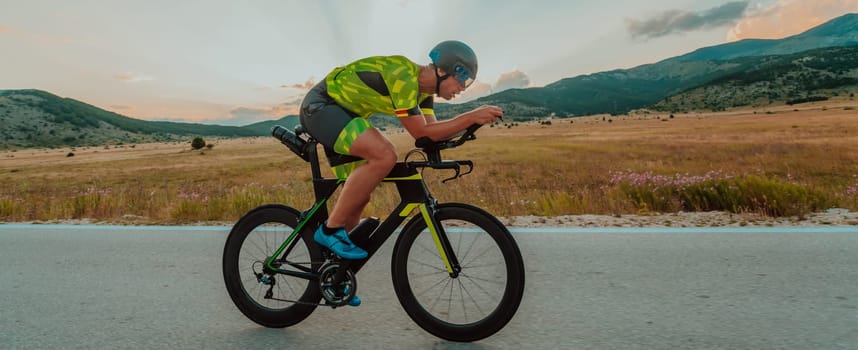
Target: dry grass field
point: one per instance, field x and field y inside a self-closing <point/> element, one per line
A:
<point x="789" y="160"/>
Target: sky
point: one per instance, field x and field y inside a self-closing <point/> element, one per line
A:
<point x="238" y="62"/>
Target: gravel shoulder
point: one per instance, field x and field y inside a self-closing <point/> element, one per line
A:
<point x="830" y="217"/>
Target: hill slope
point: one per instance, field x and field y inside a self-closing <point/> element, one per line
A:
<point x="841" y="31"/>
<point x="34" y="118"/>
<point x="619" y="91"/>
<point x="811" y="75"/>
<point x="264" y="127"/>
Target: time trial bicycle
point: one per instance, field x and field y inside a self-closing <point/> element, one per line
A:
<point x="456" y="269"/>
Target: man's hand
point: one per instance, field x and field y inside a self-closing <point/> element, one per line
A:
<point x="485" y="114"/>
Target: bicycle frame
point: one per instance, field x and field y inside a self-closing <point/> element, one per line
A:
<point x="414" y="196"/>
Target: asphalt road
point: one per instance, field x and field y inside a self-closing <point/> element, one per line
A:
<point x="161" y="288"/>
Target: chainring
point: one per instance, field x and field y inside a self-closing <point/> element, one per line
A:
<point x="337" y="295"/>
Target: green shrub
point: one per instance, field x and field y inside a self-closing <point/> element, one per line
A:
<point x="198" y="143"/>
<point x="716" y="192"/>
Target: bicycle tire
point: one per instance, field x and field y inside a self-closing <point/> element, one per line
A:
<point x="465" y="226"/>
<point x="257" y="235"/>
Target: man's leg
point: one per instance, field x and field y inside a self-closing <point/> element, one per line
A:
<point x="380" y="156"/>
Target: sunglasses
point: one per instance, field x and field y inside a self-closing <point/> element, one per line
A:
<point x="463" y="76"/>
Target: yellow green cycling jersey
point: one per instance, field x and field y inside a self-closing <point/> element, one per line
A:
<point x="379" y="85"/>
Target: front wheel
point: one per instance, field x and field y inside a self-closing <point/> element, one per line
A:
<point x="263" y="295"/>
<point x="482" y="298"/>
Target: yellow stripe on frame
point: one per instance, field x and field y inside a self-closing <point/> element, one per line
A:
<point x="412" y="177"/>
<point x="409" y="208"/>
<point x="434" y="231"/>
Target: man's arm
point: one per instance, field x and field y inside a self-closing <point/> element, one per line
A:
<point x="418" y="125"/>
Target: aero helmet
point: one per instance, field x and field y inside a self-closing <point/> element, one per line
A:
<point x="457" y="59"/>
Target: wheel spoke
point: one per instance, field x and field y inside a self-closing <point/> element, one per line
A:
<point x="489" y="248"/>
<point x="471" y="246"/>
<point x="450" y="300"/>
<point x="482" y="279"/>
<point x="462" y="297"/>
<point x="429" y="265"/>
<point x="262" y="252"/>
<point x="471" y="267"/>
<point x="473" y="300"/>
<point x="428" y="250"/>
<point x="430" y="274"/>
<point x="481" y="288"/>
<point x="440" y="294"/>
<point x="445" y="278"/>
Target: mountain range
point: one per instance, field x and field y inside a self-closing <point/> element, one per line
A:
<point x="622" y="90"/>
<point x="822" y="61"/>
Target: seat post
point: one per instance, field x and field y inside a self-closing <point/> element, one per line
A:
<point x="314" y="160"/>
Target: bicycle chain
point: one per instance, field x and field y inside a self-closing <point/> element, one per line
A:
<point x="302" y="302"/>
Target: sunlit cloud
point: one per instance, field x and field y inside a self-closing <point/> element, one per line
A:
<point x="301" y="86"/>
<point x="133" y="77"/>
<point x="680" y="21"/>
<point x="784" y="18"/>
<point x="248" y="115"/>
<point x="175" y="110"/>
<point x="120" y="107"/>
<point x="512" y="80"/>
<point x="36" y="37"/>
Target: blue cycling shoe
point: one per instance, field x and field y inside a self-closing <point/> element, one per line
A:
<point x="340" y="244"/>
<point x="355" y="299"/>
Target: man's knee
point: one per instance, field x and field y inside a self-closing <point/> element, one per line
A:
<point x="375" y="149"/>
<point x="387" y="157"/>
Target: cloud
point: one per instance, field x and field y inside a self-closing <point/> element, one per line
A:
<point x="120" y="107"/>
<point x="287" y="108"/>
<point x="133" y="77"/>
<point x="512" y="80"/>
<point x="678" y="21"/>
<point x="36" y="37"/>
<point x="784" y="18"/>
<point x="249" y="115"/>
<point x="301" y="86"/>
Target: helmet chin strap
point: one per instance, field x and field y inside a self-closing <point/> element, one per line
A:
<point x="438" y="79"/>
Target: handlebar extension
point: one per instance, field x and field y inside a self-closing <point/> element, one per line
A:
<point x="433" y="148"/>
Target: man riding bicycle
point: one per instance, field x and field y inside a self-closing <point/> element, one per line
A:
<point x="335" y="113"/>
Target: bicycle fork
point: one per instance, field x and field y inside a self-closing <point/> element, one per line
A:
<point x="445" y="250"/>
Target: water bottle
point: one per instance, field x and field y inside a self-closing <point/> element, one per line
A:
<point x="288" y="138"/>
<point x="360" y="234"/>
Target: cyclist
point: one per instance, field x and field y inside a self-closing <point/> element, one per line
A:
<point x="335" y="113"/>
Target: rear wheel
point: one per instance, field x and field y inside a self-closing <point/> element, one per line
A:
<point x="265" y="297"/>
<point x="485" y="295"/>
